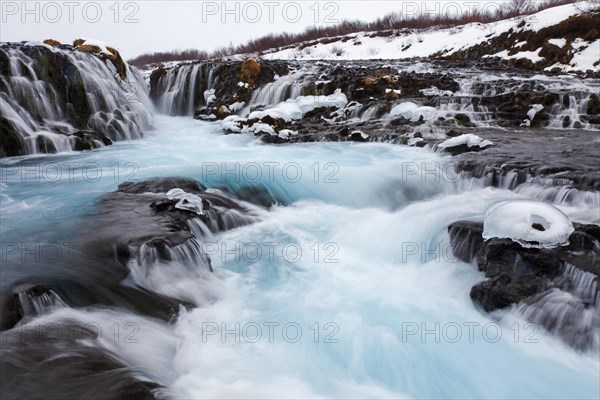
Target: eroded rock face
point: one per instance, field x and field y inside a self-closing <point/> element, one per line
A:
<point x="544" y="158"/>
<point x="74" y="94"/>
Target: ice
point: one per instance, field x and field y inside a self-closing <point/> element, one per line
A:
<point x="361" y="133"/>
<point x="426" y="112"/>
<point x="529" y="223"/>
<point x="187" y="201"/>
<point x="469" y="139"/>
<point x="412" y="111"/>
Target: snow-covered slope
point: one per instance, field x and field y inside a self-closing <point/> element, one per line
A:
<point x="514" y="36"/>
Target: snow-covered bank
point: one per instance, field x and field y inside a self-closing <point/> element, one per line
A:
<point x="583" y="54"/>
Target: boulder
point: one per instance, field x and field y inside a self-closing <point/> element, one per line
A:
<point x="516" y="273"/>
<point x="249" y="70"/>
<point x="52" y="42"/>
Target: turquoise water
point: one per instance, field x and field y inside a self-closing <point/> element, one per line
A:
<point x="354" y="291"/>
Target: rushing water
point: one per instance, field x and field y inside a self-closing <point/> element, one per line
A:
<point x="345" y="289"/>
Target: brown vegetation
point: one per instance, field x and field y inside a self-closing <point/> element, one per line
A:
<point x="391" y="24"/>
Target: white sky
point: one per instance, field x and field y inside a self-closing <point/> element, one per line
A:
<point x="136" y="27"/>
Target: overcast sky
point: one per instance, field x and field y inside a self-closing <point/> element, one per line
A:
<point x="136" y="27"/>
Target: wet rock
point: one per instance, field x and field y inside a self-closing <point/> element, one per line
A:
<point x="11" y="143"/>
<point x="516" y="273"/>
<point x="68" y="352"/>
<point x="464" y="120"/>
<point x="547" y="159"/>
<point x="88" y="140"/>
<point x="140" y="214"/>
<point x="44" y="144"/>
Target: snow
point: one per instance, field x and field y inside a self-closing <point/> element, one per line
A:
<point x="535" y="108"/>
<point x="404" y="109"/>
<point x="469" y="139"/>
<point x="585" y="58"/>
<point x="261" y="127"/>
<point x="361" y="133"/>
<point x="531" y="55"/>
<point x="187" y="201"/>
<point x="520" y="44"/>
<point x="529" y="223"/>
<point x="412" y="111"/>
<point x="285" y="133"/>
<point x="558" y="42"/>
<point x="230" y="123"/>
<point x="237" y="106"/>
<point x="209" y="96"/>
<point x="102" y="45"/>
<point x="294" y="109"/>
<point x="425" y="43"/>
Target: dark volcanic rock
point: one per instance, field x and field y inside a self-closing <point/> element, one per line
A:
<point x="544" y="157"/>
<point x="11" y="143"/>
<point x="65" y="363"/>
<point x="516" y="273"/>
<point x="557" y="289"/>
<point x="140" y="213"/>
<point x="136" y="223"/>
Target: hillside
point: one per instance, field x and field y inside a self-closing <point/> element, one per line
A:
<point x="559" y="39"/>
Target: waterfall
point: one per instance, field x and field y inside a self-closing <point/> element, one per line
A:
<point x="37" y="301"/>
<point x="271" y="94"/>
<point x="54" y="100"/>
<point x="182" y="89"/>
<point x="571" y="308"/>
<point x="571" y="111"/>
